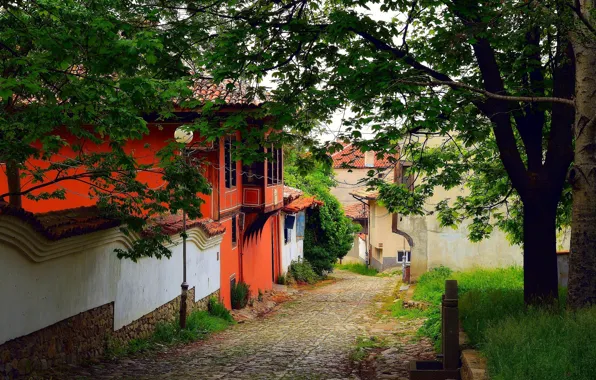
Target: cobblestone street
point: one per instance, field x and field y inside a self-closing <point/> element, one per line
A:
<point x="308" y="338"/>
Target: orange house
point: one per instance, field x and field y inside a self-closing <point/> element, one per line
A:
<point x="246" y="200"/>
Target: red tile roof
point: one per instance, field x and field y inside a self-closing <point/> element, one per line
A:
<point x="62" y="224"/>
<point x="55" y="225"/>
<point x="301" y="203"/>
<point x="291" y="193"/>
<point x="352" y="157"/>
<point x="172" y="224"/>
<point x="356" y="211"/>
<point x="237" y="94"/>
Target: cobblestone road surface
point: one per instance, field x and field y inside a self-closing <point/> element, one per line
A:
<point x="308" y="338"/>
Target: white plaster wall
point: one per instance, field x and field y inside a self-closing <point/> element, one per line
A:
<point x="453" y="249"/>
<point x="150" y="283"/>
<point x="357" y="253"/>
<point x="292" y="250"/>
<point x="34" y="295"/>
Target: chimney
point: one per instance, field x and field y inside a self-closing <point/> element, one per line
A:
<point x="369" y="159"/>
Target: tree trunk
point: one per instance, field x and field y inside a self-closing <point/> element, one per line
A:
<point x="582" y="258"/>
<point x="540" y="256"/>
<point x="14" y="183"/>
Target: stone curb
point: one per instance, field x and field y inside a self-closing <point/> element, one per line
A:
<point x="473" y="364"/>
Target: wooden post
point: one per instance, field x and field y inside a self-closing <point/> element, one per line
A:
<point x="450" y="326"/>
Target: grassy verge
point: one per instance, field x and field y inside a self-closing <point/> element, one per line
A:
<point x="520" y="343"/>
<point x="364" y="346"/>
<point x="357" y="268"/>
<point x="199" y="324"/>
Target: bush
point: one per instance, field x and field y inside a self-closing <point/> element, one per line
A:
<point x="217" y="309"/>
<point x="240" y="295"/>
<point x="281" y="279"/>
<point x="358" y="268"/>
<point x="302" y="272"/>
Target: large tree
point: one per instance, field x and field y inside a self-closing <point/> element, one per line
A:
<point x="92" y="70"/>
<point x="493" y="73"/>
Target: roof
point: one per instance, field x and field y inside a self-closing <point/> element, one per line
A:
<point x="55" y="225"/>
<point x="365" y="194"/>
<point x="362" y="236"/>
<point x="62" y="224"/>
<point x="301" y="203"/>
<point x="203" y="89"/>
<point x="238" y="93"/>
<point x="172" y="224"/>
<point x="291" y="193"/>
<point x="352" y="157"/>
<point x="356" y="211"/>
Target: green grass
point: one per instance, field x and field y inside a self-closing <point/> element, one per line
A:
<point x="542" y="344"/>
<point x="199" y="324"/>
<point x="545" y="343"/>
<point x="357" y="268"/>
<point x="399" y="311"/>
<point x="363" y="347"/>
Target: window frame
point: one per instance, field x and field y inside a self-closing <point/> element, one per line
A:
<point x="230" y="165"/>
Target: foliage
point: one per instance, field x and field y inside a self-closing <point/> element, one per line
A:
<point x="302" y="271"/>
<point x="363" y="347"/>
<point x="240" y="295"/>
<point x="357" y="268"/>
<point x="78" y="75"/>
<point x="217" y="309"/>
<point x="199" y="324"/>
<point x="329" y="234"/>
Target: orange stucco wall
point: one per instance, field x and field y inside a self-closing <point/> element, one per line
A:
<point x="252" y="262"/>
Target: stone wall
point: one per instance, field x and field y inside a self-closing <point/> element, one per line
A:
<point x="83" y="337"/>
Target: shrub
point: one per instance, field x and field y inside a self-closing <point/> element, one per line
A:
<point x="217" y="309"/>
<point x="302" y="271"/>
<point x="358" y="268"/>
<point x="240" y="295"/>
<point x="281" y="279"/>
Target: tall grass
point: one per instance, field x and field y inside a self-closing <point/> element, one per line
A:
<point x="520" y="343"/>
<point x="357" y="268"/>
<point x="542" y="345"/>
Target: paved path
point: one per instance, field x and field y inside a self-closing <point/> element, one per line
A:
<point x="308" y="338"/>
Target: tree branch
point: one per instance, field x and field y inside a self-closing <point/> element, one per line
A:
<point x="488" y="94"/>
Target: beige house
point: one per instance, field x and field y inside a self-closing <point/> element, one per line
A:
<point x="351" y="167"/>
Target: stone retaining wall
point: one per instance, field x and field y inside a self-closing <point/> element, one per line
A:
<point x="83" y="337"/>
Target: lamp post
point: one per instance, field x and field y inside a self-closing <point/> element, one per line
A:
<point x="183" y="137"/>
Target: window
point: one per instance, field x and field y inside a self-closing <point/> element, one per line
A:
<point x="234" y="231"/>
<point x="274" y="167"/>
<point x="288" y="227"/>
<point x="404" y="256"/>
<point x="300" y="225"/>
<point x="230" y="164"/>
<point x="403" y="175"/>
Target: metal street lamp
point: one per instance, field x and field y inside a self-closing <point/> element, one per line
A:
<point x="183" y="137"/>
